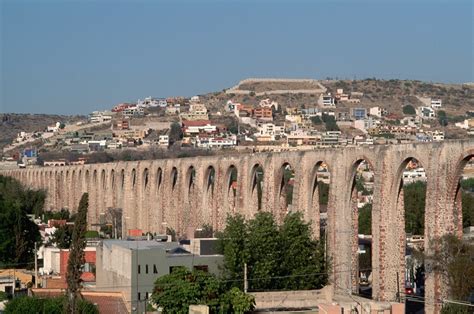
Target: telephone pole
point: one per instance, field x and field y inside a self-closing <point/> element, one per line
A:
<point x="36" y="266"/>
<point x="246" y="283"/>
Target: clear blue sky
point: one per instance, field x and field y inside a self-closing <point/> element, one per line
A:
<point x="76" y="56"/>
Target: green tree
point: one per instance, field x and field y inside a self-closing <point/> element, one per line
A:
<point x="35" y="305"/>
<point x="24" y="305"/>
<point x="453" y="260"/>
<point x="18" y="233"/>
<point x="316" y="120"/>
<point x="301" y="258"/>
<point x="272" y="252"/>
<point x="62" y="237"/>
<point x="414" y="196"/>
<point x="442" y="118"/>
<point x="467" y="202"/>
<point x="175" y="292"/>
<point x="176" y="133"/>
<point x="232" y="245"/>
<point x="195" y="287"/>
<point x="330" y="122"/>
<point x="365" y="219"/>
<point x="76" y="253"/>
<point x="409" y="110"/>
<point x="263" y="244"/>
<point x="236" y="301"/>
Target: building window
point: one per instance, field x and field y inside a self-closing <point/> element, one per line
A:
<point x="139" y="296"/>
<point x="203" y="268"/>
<point x="138" y="268"/>
<point x="146" y="268"/>
<point x="155" y="271"/>
<point x="146" y="296"/>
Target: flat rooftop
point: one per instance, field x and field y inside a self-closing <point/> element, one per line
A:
<point x="140" y="244"/>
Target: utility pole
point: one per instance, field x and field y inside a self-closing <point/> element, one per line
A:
<point x="246" y="283"/>
<point x="36" y="266"/>
<point x="398" y="287"/>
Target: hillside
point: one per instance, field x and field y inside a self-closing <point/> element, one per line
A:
<point x="390" y="94"/>
<point x="11" y="124"/>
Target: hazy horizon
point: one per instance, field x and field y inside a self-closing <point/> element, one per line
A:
<point x="69" y="57"/>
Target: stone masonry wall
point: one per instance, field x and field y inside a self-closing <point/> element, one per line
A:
<point x="152" y="198"/>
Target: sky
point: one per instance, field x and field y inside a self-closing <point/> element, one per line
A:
<point x="73" y="57"/>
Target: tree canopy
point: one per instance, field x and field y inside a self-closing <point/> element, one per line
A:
<point x="453" y="260"/>
<point x="282" y="257"/>
<point x="18" y="232"/>
<point x="35" y="305"/>
<point x="76" y="253"/>
<point x="175" y="292"/>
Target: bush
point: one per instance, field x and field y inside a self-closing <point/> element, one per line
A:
<point x="409" y="109"/>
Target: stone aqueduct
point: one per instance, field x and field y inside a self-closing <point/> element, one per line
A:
<point x="186" y="193"/>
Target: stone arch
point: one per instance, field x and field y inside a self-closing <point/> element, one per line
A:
<point x="145" y="179"/>
<point x="455" y="224"/>
<point x="284" y="186"/>
<point x="112" y="179"/>
<point x="361" y="174"/>
<point x="190" y="179"/>
<point x="319" y="183"/>
<point x="401" y="181"/>
<point x="103" y="180"/>
<point x="230" y="187"/>
<point x="174" y="178"/>
<point x="210" y="178"/>
<point x="133" y="178"/>
<point x="122" y="180"/>
<point x="159" y="179"/>
<point x="257" y="181"/>
<point x="209" y="208"/>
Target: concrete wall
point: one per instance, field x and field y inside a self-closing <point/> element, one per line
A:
<point x="117" y="267"/>
<point x="152" y="200"/>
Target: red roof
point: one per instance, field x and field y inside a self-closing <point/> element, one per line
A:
<point x="107" y="302"/>
<point x="188" y="123"/>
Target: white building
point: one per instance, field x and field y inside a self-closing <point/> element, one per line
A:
<point x="435" y="103"/>
<point x="375" y="111"/>
<point x="100" y="116"/>
<point x="215" y="142"/>
<point x="164" y="140"/>
<point x="53" y="128"/>
<point x="414" y="175"/>
<point x="133" y="111"/>
<point x="270" y="129"/>
<point x="328" y="101"/>
<point x="426" y="112"/>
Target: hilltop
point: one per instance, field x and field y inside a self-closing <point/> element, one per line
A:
<point x="389" y="94"/>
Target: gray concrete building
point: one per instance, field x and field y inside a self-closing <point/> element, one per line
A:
<point x="132" y="266"/>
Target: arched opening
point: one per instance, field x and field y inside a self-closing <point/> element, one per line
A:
<point x="102" y="178"/>
<point x="319" y="199"/>
<point x="411" y="201"/>
<point x="174" y="177"/>
<point x="463" y="198"/>
<point x="159" y="179"/>
<point x="232" y="188"/>
<point x="134" y="177"/>
<point x="145" y="178"/>
<point x="122" y="179"/>
<point x="211" y="177"/>
<point x="361" y="204"/>
<point x="191" y="175"/>
<point x="286" y="186"/>
<point x="112" y="179"/>
<point x="256" y="189"/>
